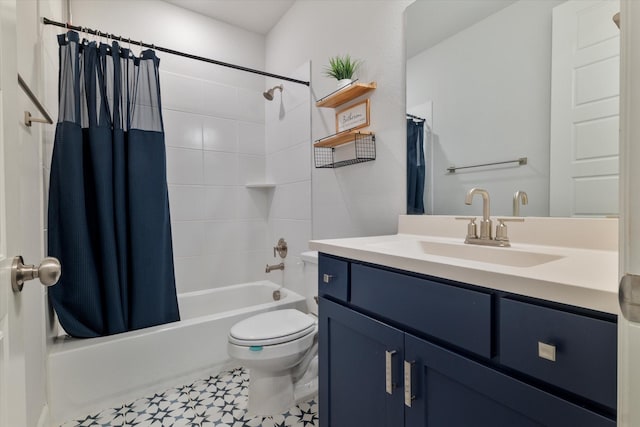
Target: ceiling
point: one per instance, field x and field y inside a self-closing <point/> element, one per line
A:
<point x="260" y="16"/>
<point x="257" y="16"/>
<point x="431" y="21"/>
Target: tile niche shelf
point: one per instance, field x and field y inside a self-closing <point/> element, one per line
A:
<point x="263" y="185"/>
<point x="364" y="141"/>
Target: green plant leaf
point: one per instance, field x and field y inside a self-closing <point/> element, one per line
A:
<point x="341" y="67"/>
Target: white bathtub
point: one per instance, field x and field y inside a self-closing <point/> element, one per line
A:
<point x="87" y="375"/>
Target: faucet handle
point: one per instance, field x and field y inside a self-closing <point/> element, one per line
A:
<point x="501" y="230"/>
<point x="472" y="228"/>
<point x="280" y="248"/>
<point x="512" y="219"/>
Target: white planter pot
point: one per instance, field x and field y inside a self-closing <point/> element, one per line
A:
<point x="344" y="82"/>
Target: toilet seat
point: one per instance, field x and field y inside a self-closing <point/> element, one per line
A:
<point x="272" y="328"/>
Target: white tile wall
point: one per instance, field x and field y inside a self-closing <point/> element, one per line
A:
<point x="292" y="201"/>
<point x="182" y="130"/>
<point x="288" y="165"/>
<point x="189" y="238"/>
<point x="219" y="203"/>
<point x="252" y="137"/>
<point x="219" y="100"/>
<point x="221" y="168"/>
<point x="218" y="224"/>
<point x="184" y="166"/>
<point x="220" y="134"/>
<point x="251" y="169"/>
<point x="178" y="92"/>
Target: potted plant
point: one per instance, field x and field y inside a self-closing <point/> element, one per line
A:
<point x="342" y="68"/>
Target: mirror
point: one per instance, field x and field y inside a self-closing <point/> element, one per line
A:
<point x="504" y="80"/>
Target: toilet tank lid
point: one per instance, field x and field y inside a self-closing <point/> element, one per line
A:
<point x="310" y="257"/>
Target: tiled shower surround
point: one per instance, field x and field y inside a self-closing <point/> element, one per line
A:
<point x="218" y="401"/>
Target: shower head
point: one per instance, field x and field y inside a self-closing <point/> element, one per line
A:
<point x="269" y="94"/>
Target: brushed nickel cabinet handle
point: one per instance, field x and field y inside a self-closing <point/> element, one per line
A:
<point x="408" y="396"/>
<point x="389" y="385"/>
<point x="326" y="278"/>
<point x="546" y="351"/>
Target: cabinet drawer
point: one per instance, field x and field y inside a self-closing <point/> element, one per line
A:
<point x="333" y="277"/>
<point x="584" y="349"/>
<point x="459" y="316"/>
<point x="453" y="391"/>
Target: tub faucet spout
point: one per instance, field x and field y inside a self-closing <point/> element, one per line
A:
<point x="270" y="268"/>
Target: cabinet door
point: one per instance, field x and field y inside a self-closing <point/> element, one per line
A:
<point x="452" y="391"/>
<point x="354" y="355"/>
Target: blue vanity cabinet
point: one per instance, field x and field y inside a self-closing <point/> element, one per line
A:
<point x="401" y="349"/>
<point x="360" y="369"/>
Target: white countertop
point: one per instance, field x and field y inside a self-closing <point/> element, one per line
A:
<point x="581" y="273"/>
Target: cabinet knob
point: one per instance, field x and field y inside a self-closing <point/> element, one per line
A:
<point x="546" y="351"/>
<point x="326" y="278"/>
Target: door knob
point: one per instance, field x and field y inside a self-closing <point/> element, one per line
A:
<point x="48" y="272"/>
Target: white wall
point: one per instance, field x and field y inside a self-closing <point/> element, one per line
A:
<point x="214" y="126"/>
<point x="363" y="199"/>
<point x="490" y="86"/>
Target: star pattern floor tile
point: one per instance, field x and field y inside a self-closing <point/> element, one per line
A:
<point x="219" y="401"/>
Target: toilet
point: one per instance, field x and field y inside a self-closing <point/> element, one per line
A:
<point x="280" y="349"/>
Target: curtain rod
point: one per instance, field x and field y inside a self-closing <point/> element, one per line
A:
<point x="47" y="21"/>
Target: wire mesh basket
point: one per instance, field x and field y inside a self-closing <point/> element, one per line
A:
<point x="361" y="149"/>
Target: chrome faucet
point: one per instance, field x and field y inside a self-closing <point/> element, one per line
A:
<point x="517" y="197"/>
<point x="485" y="224"/>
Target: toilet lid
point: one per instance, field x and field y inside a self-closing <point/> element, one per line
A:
<point x="273" y="327"/>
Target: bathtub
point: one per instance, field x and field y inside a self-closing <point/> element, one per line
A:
<point x="87" y="375"/>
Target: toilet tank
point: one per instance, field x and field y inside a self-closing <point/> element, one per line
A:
<point x="310" y="269"/>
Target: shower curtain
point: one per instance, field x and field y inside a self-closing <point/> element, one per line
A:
<point x="415" y="167"/>
<point x="108" y="220"/>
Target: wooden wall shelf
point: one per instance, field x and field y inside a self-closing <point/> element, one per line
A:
<point x="346" y="94"/>
<point x="341" y="138"/>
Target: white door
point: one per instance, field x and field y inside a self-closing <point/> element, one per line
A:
<point x="628" y="332"/>
<point x="21" y="233"/>
<point x="584" y="109"/>
<point x="12" y="374"/>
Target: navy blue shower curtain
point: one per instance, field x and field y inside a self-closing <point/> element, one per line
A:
<point x="108" y="219"/>
<point x="415" y="167"/>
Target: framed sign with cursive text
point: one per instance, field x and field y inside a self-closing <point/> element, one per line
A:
<point x="353" y="117"/>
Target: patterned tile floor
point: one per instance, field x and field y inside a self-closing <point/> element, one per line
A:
<point x="218" y="401"/>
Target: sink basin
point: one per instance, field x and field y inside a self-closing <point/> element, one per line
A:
<point x="501" y="256"/>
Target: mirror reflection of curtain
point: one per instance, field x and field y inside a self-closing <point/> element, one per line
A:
<point x="108" y="204"/>
<point x="415" y="167"/>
